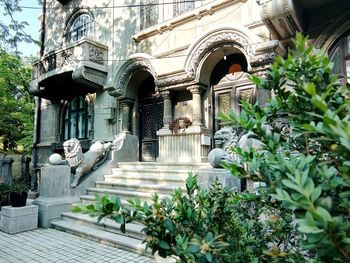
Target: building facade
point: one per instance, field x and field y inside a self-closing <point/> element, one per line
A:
<point x="159" y="70"/>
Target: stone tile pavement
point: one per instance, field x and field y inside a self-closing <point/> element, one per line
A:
<point x="50" y="245"/>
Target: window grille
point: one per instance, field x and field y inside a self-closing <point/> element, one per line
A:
<point x="182" y="6"/>
<point x="149" y="13"/>
<point x="77" y="121"/>
<point x="340" y="56"/>
<point x="82" y="26"/>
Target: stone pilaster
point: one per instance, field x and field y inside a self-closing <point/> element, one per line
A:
<point x="126" y="113"/>
<point x="168" y="113"/>
<point x="196" y="91"/>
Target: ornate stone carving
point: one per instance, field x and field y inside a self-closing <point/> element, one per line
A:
<point x="228" y="137"/>
<point x="166" y="94"/>
<point x="175" y="79"/>
<point x="53" y="61"/>
<point x="233" y="38"/>
<point x="281" y="17"/>
<point x="81" y="164"/>
<point x="236" y="38"/>
<point x="96" y="55"/>
<point x="196" y="89"/>
<point x="127" y="72"/>
<point x="89" y="77"/>
<point x="66" y="57"/>
<point x="263" y="59"/>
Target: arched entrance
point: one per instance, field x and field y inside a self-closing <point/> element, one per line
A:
<point x="230" y="84"/>
<point x="150" y="120"/>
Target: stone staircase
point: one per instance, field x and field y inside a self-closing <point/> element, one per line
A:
<point x="128" y="181"/>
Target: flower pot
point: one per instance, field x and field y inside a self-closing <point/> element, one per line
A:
<point x="18" y="199"/>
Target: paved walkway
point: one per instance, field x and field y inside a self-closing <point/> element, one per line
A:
<point x="49" y="245"/>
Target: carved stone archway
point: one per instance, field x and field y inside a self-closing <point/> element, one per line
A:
<point x="237" y="37"/>
<point x="126" y="72"/>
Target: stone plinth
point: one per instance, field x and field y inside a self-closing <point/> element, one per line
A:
<point x="55" y="181"/>
<point x="18" y="219"/>
<point x="56" y="195"/>
<point x="207" y="176"/>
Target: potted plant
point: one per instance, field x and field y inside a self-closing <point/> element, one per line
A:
<point x="18" y="194"/>
<point x="4" y="195"/>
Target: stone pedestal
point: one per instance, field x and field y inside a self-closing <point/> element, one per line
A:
<point x="56" y="195"/>
<point x="18" y="219"/>
<point x="207" y="176"/>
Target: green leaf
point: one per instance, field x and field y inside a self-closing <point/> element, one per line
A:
<point x="310" y="88"/>
<point x="324" y="214"/>
<point x="164" y="245"/>
<point x="209" y="256"/>
<point x="168" y="224"/>
<point x="193" y="248"/>
<point x="316" y="193"/>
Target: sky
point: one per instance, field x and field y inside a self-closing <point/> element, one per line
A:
<point x="30" y="15"/>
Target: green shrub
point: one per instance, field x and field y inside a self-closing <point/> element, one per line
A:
<point x="213" y="225"/>
<point x="305" y="163"/>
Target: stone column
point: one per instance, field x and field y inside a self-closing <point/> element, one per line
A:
<point x="126" y="113"/>
<point x="168" y="113"/>
<point x="25" y="175"/>
<point x="196" y="91"/>
<point x="7" y="169"/>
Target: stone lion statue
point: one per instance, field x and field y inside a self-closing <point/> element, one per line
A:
<point x="80" y="163"/>
<point x="228" y="137"/>
<point x="223" y="140"/>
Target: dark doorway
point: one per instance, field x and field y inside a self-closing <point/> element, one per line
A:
<point x="151" y="120"/>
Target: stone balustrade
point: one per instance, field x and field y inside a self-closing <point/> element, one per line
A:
<point x="189" y="145"/>
<point x="83" y="52"/>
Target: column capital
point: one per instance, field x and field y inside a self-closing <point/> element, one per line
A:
<point x="166" y="94"/>
<point x="196" y="89"/>
<point x="126" y="101"/>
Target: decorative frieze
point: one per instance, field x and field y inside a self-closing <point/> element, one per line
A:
<point x="96" y="55"/>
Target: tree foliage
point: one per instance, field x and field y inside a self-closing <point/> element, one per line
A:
<point x="16" y="104"/>
<point x="305" y="158"/>
<point x="12" y="31"/>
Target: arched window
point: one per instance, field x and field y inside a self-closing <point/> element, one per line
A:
<point x="340" y="56"/>
<point x="81" y="26"/>
<point x="77" y="121"/>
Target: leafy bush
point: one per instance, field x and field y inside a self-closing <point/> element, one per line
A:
<point x="213" y="225"/>
<point x="305" y="160"/>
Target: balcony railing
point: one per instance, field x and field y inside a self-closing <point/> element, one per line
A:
<point x="78" y="54"/>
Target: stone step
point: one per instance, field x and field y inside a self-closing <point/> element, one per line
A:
<point x="132" y="229"/>
<point x="123" y="242"/>
<point x="124" y="194"/>
<point x="138" y="177"/>
<point x="162" y="173"/>
<point x="160" y="166"/>
<point x="162" y="188"/>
